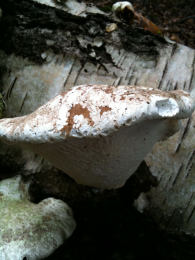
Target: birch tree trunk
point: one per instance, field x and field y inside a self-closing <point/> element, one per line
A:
<point x="47" y="48"/>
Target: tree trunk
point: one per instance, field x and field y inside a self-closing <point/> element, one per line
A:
<point x="47" y="49"/>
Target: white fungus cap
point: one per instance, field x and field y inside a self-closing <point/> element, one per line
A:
<point x="99" y="134"/>
<point x="120" y="6"/>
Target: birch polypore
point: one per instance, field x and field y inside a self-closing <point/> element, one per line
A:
<point x="99" y="134"/>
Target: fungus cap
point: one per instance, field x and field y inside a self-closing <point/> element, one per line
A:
<point x="120" y="6"/>
<point x="99" y="134"/>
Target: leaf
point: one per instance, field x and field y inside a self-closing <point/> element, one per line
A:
<point x="147" y="24"/>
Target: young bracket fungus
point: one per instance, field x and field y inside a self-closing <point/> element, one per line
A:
<point x="120" y="6"/>
<point x="99" y="134"/>
<point x="27" y="230"/>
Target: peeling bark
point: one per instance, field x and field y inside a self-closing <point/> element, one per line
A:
<point x="45" y="50"/>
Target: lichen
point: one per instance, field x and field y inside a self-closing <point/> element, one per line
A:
<point x="28" y="230"/>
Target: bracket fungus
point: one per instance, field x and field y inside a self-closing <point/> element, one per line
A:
<point x="99" y="134"/>
<point x="27" y="230"/>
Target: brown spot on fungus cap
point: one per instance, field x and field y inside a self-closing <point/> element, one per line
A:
<point x="104" y="109"/>
<point x="77" y="110"/>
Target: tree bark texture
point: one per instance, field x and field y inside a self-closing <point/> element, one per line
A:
<point x="45" y="50"/>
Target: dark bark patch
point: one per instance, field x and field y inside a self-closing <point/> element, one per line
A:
<point x="26" y="28"/>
